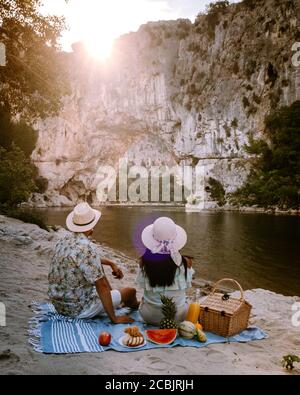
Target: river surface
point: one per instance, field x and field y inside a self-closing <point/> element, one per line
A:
<point x="260" y="251"/>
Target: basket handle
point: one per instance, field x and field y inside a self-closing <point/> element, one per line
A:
<point x="229" y="280"/>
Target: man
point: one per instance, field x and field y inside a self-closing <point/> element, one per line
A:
<point x="78" y="286"/>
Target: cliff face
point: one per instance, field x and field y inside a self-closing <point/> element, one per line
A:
<point x="174" y="92"/>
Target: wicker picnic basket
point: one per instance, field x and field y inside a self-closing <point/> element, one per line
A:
<point x="224" y="315"/>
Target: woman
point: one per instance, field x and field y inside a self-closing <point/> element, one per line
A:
<point x="163" y="270"/>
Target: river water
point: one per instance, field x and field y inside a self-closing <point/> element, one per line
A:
<point x="260" y="251"/>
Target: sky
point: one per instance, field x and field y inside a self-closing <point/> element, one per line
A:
<point x="98" y="23"/>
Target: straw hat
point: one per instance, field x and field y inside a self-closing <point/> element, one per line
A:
<point x="83" y="218"/>
<point x="162" y="233"/>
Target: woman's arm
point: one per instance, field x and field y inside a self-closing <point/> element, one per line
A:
<point x="189" y="261"/>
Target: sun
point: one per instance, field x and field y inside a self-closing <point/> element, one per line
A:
<point x="98" y="23"/>
<point x="98" y="47"/>
<point x="93" y="22"/>
<point x="97" y="29"/>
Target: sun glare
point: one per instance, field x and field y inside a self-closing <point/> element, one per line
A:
<point x="95" y="26"/>
<point x="99" y="49"/>
<point x="97" y="23"/>
<point x="98" y="41"/>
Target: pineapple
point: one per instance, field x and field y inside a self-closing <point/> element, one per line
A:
<point x="169" y="311"/>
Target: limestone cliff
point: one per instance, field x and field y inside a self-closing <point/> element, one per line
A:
<point x="174" y="92"/>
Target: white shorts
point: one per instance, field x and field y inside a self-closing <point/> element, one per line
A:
<point x="97" y="308"/>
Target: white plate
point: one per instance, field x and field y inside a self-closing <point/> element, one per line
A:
<point x="121" y="343"/>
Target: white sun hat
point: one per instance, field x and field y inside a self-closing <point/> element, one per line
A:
<point x="83" y="218"/>
<point x="165" y="237"/>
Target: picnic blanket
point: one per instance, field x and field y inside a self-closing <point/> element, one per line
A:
<point x="51" y="333"/>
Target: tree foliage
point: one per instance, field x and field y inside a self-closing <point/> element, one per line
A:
<point x="217" y="191"/>
<point x="275" y="178"/>
<point x="33" y="80"/>
<point x="19" y="133"/>
<point x="217" y="7"/>
<point x="32" y="84"/>
<point x="17" y="174"/>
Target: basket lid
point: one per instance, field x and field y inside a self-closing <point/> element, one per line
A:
<point x="217" y="302"/>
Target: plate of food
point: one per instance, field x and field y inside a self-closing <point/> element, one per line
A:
<point x="133" y="338"/>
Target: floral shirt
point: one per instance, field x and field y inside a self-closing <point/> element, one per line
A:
<point x="75" y="268"/>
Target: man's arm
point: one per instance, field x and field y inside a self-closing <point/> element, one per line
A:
<point x="115" y="270"/>
<point x="104" y="292"/>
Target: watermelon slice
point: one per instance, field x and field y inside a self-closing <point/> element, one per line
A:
<point x="161" y="336"/>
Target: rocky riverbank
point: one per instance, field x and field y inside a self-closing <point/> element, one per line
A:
<point x="39" y="201"/>
<point x="24" y="261"/>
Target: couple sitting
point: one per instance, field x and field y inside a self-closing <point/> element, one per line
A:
<point x="78" y="286"/>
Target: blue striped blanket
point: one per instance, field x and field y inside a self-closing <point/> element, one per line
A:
<point x="51" y="333"/>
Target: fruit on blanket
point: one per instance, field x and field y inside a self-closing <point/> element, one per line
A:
<point x="133" y="341"/>
<point x="201" y="336"/>
<point x="187" y="330"/>
<point x="169" y="311"/>
<point x="162" y="336"/>
<point x="199" y="326"/>
<point x="133" y="338"/>
<point x="104" y="339"/>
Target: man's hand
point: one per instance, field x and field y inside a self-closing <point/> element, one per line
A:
<point x="117" y="272"/>
<point x="125" y="319"/>
<point x="104" y="292"/>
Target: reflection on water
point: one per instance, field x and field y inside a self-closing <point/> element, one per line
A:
<point x="260" y="251"/>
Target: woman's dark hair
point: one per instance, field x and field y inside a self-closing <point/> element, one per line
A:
<point x="160" y="269"/>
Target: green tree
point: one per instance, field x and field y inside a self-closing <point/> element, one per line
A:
<point x="217" y="7"/>
<point x="217" y="191"/>
<point x="19" y="133"/>
<point x="275" y="177"/>
<point x="17" y="175"/>
<point x="33" y="80"/>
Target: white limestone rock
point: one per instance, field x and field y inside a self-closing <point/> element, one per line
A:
<point x="173" y="92"/>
